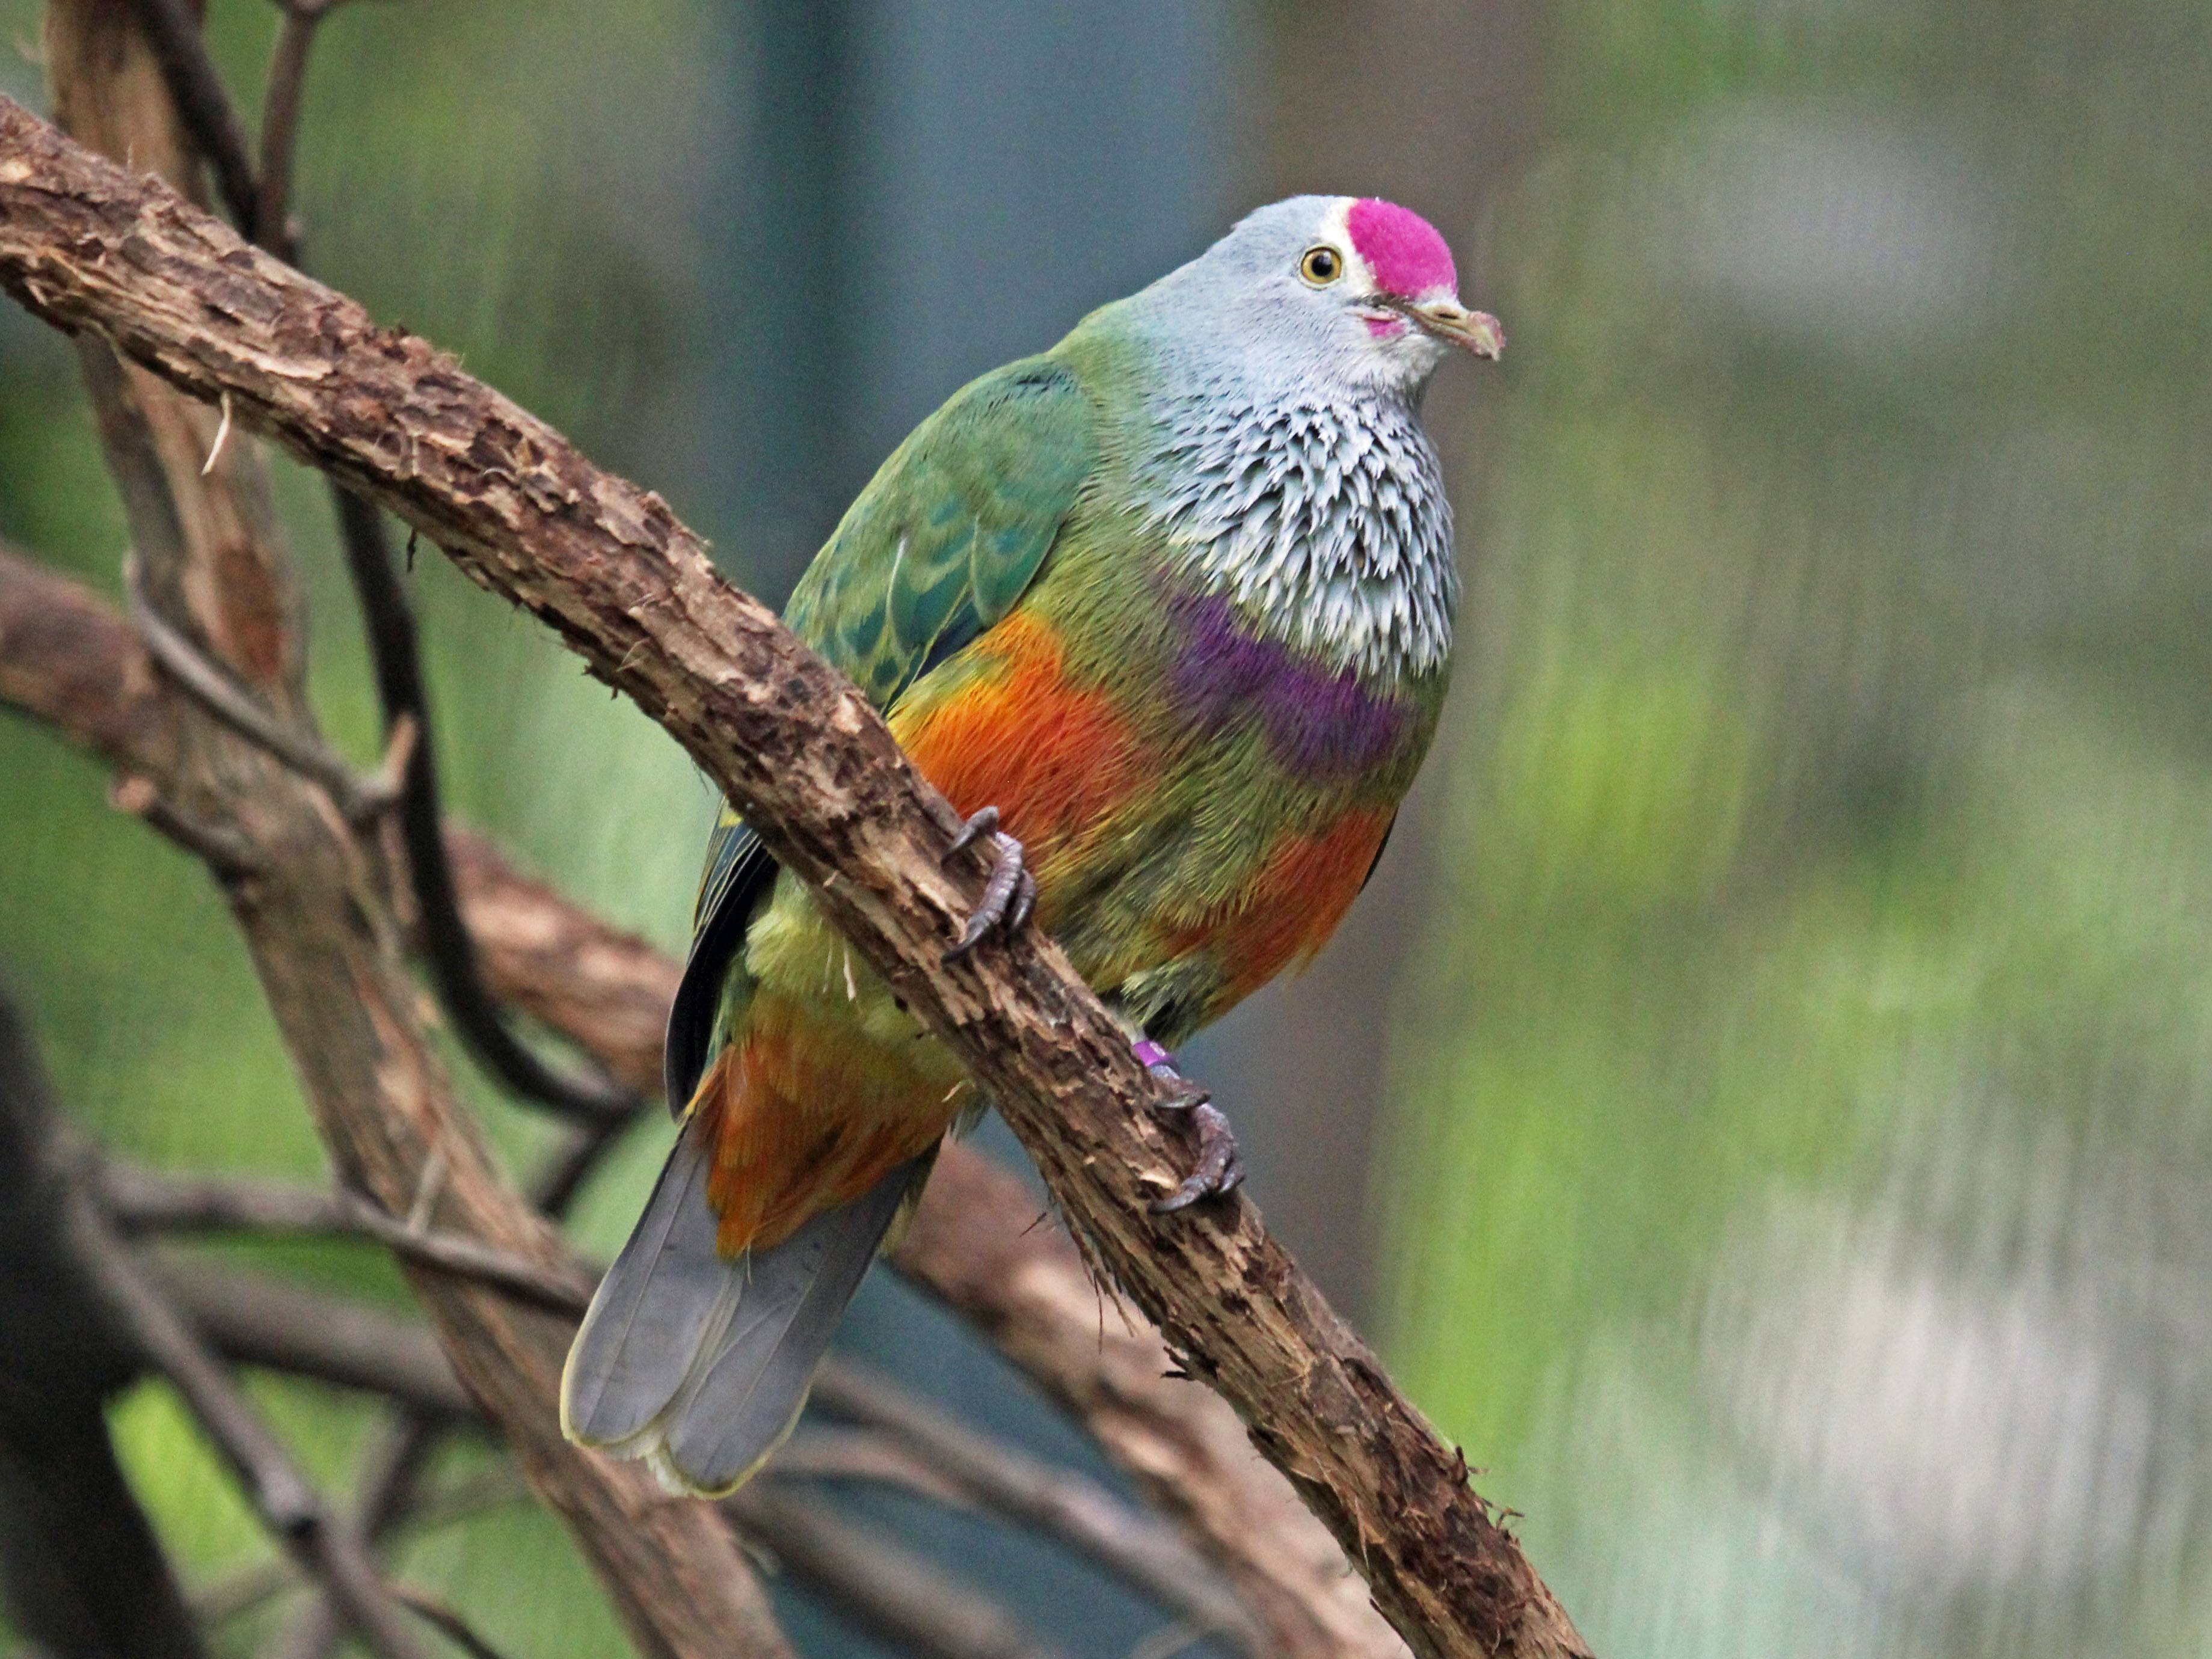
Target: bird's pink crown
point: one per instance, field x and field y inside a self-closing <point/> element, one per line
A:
<point x="1403" y="250"/>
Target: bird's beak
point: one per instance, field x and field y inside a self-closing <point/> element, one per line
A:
<point x="1455" y="325"/>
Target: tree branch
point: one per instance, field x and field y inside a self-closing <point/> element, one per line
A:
<point x="257" y="1319"/>
<point x="359" y="799"/>
<point x="814" y="770"/>
<point x="1055" y="1501"/>
<point x="445" y="1619"/>
<point x="240" y="1593"/>
<point x="385" y="1489"/>
<point x="143" y="1201"/>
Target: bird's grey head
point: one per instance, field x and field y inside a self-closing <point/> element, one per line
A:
<point x="1359" y="293"/>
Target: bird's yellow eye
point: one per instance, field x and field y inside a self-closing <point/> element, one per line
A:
<point x="1322" y="265"/>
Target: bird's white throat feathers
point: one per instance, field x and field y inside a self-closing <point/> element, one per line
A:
<point x="1323" y="519"/>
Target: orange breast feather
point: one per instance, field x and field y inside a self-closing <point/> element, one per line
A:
<point x="1055" y="759"/>
<point x="804" y="1113"/>
<point x="1295" y="901"/>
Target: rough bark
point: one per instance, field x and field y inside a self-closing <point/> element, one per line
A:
<point x="87" y="245"/>
<point x="1027" y="1288"/>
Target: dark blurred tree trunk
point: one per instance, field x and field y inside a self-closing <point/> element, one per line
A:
<point x="83" y="1575"/>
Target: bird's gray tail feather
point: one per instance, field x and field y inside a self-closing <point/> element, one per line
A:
<point x="700" y="1363"/>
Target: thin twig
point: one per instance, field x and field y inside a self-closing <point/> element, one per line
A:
<point x="279" y="131"/>
<point x="280" y="125"/>
<point x="324" y="1549"/>
<point x="445" y="1619"/>
<point x="144" y="1202"/>
<point x="243" y="1591"/>
<point x="1056" y="1501"/>
<point x="250" y="1587"/>
<point x="605" y="990"/>
<point x="391" y="1473"/>
<point x="229" y="856"/>
<point x="393" y="1469"/>
<point x="556" y="1186"/>
<point x="358" y="797"/>
<point x="868" y="1455"/>
<point x="196" y="86"/>
<point x="883" y="1586"/>
<point x="255" y="1319"/>
<point x="448" y="950"/>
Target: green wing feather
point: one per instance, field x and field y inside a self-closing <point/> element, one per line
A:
<point x="951" y="530"/>
<point x="948" y="535"/>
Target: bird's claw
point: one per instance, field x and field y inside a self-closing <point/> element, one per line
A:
<point x="1009" y="897"/>
<point x="1219" y="1169"/>
<point x="979" y="824"/>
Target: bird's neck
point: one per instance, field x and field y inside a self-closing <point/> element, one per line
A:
<point x="1320" y="519"/>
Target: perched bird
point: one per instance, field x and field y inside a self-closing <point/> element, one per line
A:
<point x="1167" y="609"/>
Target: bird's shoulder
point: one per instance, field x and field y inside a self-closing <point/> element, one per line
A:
<point x="954" y="527"/>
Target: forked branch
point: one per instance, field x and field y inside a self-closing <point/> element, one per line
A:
<point x="309" y="899"/>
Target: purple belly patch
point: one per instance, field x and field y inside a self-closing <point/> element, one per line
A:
<point x="1320" y="722"/>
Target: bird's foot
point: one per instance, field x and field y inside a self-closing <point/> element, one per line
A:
<point x="1220" y="1168"/>
<point x="1010" y="894"/>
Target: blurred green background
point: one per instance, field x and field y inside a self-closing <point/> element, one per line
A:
<point x="1777" y="1042"/>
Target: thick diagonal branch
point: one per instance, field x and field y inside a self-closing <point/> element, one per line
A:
<point x="66" y="658"/>
<point x="87" y="245"/>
